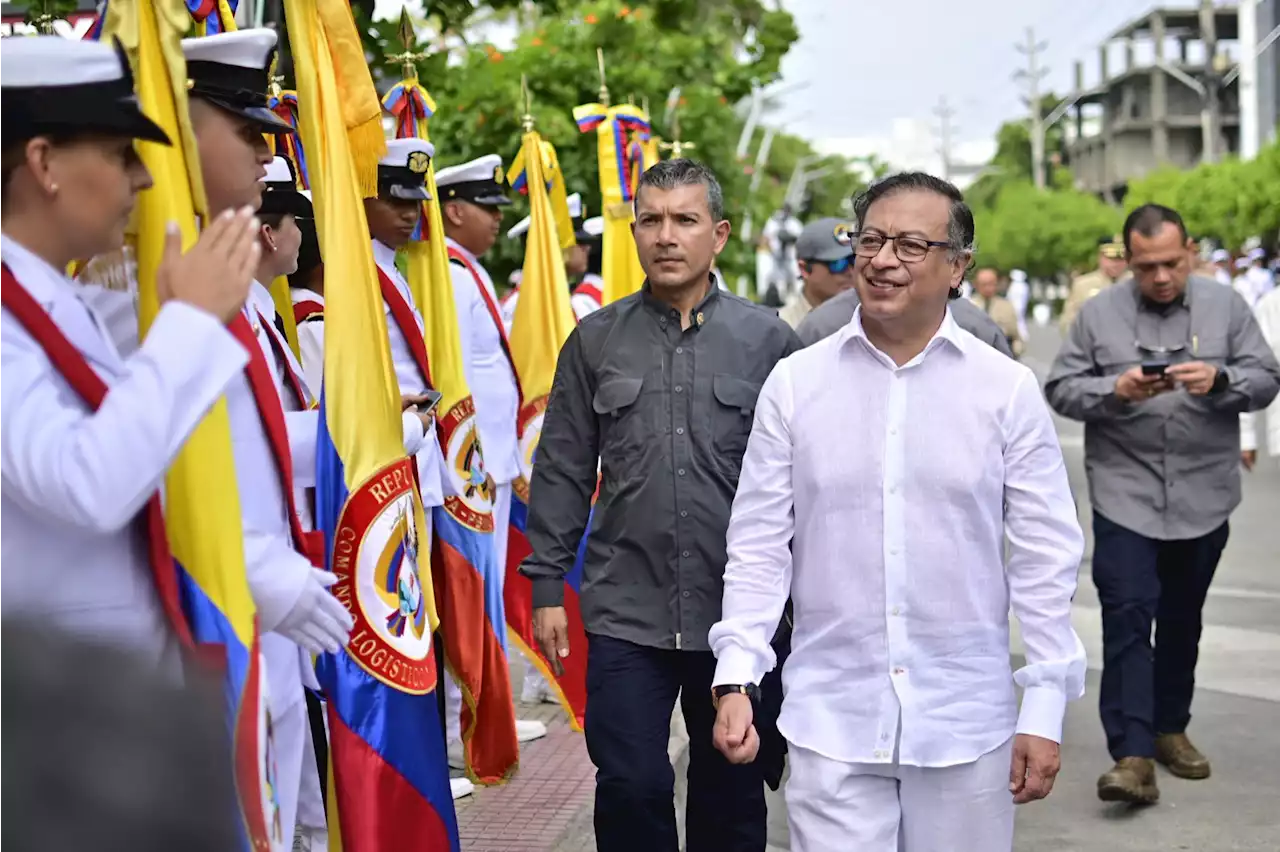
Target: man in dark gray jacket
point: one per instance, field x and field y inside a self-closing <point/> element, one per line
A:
<point x="835" y="313"/>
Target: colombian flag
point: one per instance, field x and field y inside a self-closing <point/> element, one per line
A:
<point x="464" y="563"/>
<point x="201" y="499"/>
<point x="543" y="320"/>
<point x="390" y="776"/>
<point x="613" y="126"/>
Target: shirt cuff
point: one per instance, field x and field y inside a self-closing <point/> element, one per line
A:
<point x="1043" y="709"/>
<point x="414" y="432"/>
<point x="735" y="666"/>
<point x="548" y="591"/>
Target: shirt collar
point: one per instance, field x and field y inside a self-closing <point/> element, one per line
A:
<point x="461" y="249"/>
<point x="41" y="280"/>
<point x="704" y="309"/>
<point x="948" y="334"/>
<point x="1145" y="304"/>
<point x="304" y="294"/>
<point x="384" y="255"/>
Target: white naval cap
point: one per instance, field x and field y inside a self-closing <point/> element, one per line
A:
<point x="480" y="181"/>
<point x="575" y="213"/>
<point x="55" y="84"/>
<point x="594" y="226"/>
<point x="1220" y="256"/>
<point x="281" y="195"/>
<point x="229" y="70"/>
<point x="402" y="173"/>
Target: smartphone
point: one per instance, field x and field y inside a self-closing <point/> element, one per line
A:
<point x="433" y="399"/>
<point x="1154" y="368"/>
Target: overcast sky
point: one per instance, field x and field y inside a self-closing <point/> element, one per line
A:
<point x="873" y="71"/>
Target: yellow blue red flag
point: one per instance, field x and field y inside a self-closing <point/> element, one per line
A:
<point x="390" y="787"/>
<point x="543" y="321"/>
<point x="202" y="503"/>
<point x="613" y="126"/>
<point x="464" y="563"/>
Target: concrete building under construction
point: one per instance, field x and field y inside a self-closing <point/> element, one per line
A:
<point x="1175" y="98"/>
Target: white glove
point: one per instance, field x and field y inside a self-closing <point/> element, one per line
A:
<point x="318" y="622"/>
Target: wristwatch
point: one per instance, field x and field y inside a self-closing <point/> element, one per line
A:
<point x="751" y="690"/>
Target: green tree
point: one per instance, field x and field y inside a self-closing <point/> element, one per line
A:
<point x="714" y="51"/>
<point x="1042" y="232"/>
<point x="1012" y="160"/>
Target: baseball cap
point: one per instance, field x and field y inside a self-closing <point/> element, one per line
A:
<point x="820" y="240"/>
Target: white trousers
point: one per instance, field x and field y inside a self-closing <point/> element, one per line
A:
<point x="836" y="807"/>
<point x="533" y="680"/>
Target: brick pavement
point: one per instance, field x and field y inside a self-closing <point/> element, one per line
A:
<point x="546" y="807"/>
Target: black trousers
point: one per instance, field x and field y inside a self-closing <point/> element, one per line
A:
<point x="1146" y="689"/>
<point x="631" y="692"/>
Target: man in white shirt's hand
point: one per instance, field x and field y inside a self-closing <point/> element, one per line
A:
<point x="900" y="714"/>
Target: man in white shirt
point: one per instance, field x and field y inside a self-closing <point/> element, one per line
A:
<point x="886" y="467"/>
<point x="472" y="196"/>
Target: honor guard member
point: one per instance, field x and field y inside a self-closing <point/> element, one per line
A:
<point x="274" y="445"/>
<point x="472" y="196"/>
<point x="306" y="289"/>
<point x="1112" y="266"/>
<point x="586" y="295"/>
<point x="88" y="434"/>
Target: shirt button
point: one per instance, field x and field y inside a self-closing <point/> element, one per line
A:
<point x="685" y="554"/>
<point x="680" y="471"/>
<point x="893" y="488"/>
<point x="684" y="513"/>
<point x="685" y="594"/>
<point x="899" y="670"/>
<point x="893" y="430"/>
<point x="897" y="610"/>
<point x="893" y="551"/>
<point x="679" y="388"/>
<point x="679" y="350"/>
<point x="679" y="430"/>
<point x="884" y="738"/>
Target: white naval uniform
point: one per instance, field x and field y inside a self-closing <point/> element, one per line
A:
<point x="310" y="340"/>
<point x="293" y="732"/>
<point x="497" y="398"/>
<point x="493" y="388"/>
<point x="423" y="447"/>
<point x="582" y="303"/>
<point x="74" y="481"/>
<point x="277" y="572"/>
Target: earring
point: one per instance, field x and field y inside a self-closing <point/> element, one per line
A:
<point x="53" y="189"/>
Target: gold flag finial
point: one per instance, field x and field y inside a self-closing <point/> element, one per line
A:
<point x="644" y="105"/>
<point x="676" y="146"/>
<point x="604" y="89"/>
<point x="526" y="120"/>
<point x="274" y="80"/>
<point x="43" y="19"/>
<point x="408" y="38"/>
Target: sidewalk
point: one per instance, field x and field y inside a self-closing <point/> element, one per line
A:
<point x="547" y="807"/>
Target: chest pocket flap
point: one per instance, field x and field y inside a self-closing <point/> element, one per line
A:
<point x="732" y="392"/>
<point x="614" y="395"/>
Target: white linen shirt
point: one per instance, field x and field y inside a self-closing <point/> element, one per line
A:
<point x="880" y="497"/>
<point x="488" y="370"/>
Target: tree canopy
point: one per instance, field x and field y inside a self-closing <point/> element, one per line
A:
<point x="713" y="51"/>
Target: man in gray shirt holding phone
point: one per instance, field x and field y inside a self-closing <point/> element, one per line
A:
<point x="1159" y="368"/>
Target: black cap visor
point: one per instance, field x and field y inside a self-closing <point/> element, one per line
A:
<point x="280" y="202"/>
<point x="103" y="109"/>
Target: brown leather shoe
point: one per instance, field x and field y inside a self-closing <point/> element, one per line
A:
<point x="1183" y="759"/>
<point x="1132" y="780"/>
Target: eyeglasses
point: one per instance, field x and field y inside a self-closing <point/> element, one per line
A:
<point x="1159" y="350"/>
<point x="909" y="249"/>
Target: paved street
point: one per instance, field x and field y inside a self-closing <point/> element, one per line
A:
<point x="1235" y="722"/>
